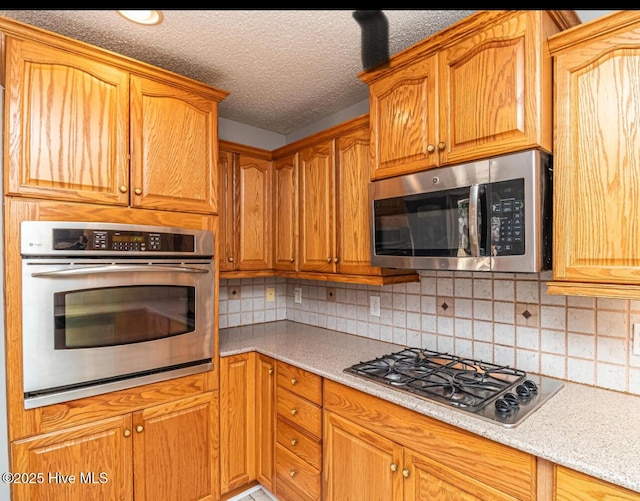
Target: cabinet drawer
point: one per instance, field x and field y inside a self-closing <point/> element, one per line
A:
<point x="300" y="382"/>
<point x="295" y="479"/>
<point x="299" y="443"/>
<point x="297" y="410"/>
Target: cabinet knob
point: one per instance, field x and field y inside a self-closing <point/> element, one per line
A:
<point x="139" y="428"/>
<point x="441" y="145"/>
<point x="123" y="189"/>
<point x="292" y="473"/>
<point x="394" y="467"/>
<point x="127" y="433"/>
<point x="270" y="371"/>
<point x="405" y="473"/>
<point x="329" y="259"/>
<point x="294" y="380"/>
<point x="138" y="191"/>
<point x="230" y="259"/>
<point x="294" y="442"/>
<point x="292" y="259"/>
<point x="294" y="412"/>
<point x="335" y="259"/>
<point x="431" y="148"/>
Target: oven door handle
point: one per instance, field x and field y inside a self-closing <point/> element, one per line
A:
<point x="117" y="268"/>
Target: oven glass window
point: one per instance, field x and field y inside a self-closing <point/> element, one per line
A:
<point x="113" y="316"/>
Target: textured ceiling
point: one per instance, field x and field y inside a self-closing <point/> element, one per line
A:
<point x="284" y="69"/>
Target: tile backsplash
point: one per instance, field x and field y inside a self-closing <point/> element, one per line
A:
<point x="504" y="318"/>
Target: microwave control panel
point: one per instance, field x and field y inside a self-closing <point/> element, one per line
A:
<point x="110" y="241"/>
<point x="507" y="218"/>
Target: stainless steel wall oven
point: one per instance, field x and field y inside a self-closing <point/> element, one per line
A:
<point x="112" y="306"/>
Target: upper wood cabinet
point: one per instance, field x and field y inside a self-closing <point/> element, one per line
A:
<point x="477" y="89"/>
<point x="245" y="242"/>
<point x="285" y="213"/>
<point x="596" y="160"/>
<point x="332" y="227"/>
<point x="86" y="125"/>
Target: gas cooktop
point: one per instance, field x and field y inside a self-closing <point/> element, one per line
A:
<point x="496" y="393"/>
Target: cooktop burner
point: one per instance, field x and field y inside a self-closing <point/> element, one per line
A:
<point x="494" y="392"/>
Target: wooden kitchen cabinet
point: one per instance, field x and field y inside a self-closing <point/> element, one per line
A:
<point x="265" y="420"/>
<point x="479" y="88"/>
<point x="333" y="188"/>
<point x="77" y="113"/>
<point x="596" y="162"/>
<point x="285" y="213"/>
<point x="401" y="455"/>
<point x="570" y="485"/>
<point x="298" y="448"/>
<point x="237" y="421"/>
<point x="246" y="226"/>
<point x="163" y="452"/>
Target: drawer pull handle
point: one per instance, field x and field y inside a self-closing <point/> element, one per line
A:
<point x="294" y="442"/>
<point x="294" y="412"/>
<point x="127" y="433"/>
<point x="294" y="380"/>
<point x="394" y="467"/>
<point x="405" y="473"/>
<point x="292" y="473"/>
<point x="270" y="371"/>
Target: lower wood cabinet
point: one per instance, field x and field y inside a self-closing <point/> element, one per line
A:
<point x="265" y="420"/>
<point x="570" y="485"/>
<point x="164" y="452"/>
<point x="298" y="434"/>
<point x="376" y="450"/>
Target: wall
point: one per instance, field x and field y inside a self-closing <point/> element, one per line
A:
<point x="502" y="318"/>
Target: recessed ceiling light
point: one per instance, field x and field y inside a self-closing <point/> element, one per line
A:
<point x="142" y="16"/>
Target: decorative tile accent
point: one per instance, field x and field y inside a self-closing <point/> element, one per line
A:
<point x="444" y="306"/>
<point x="527" y="314"/>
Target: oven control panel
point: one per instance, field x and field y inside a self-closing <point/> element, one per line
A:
<point x="120" y="241"/>
<point x="40" y="238"/>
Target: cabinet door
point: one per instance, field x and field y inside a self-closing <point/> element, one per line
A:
<point x="265" y="420"/>
<point x="352" y="204"/>
<point x="317" y="249"/>
<point x="285" y="214"/>
<point x="173" y="148"/>
<point x="67" y="120"/>
<point x="490" y="91"/>
<point x="426" y="479"/>
<point x="359" y="464"/>
<point x="86" y="462"/>
<point x="571" y="485"/>
<point x="597" y="162"/>
<point x="175" y="446"/>
<point x="404" y="119"/>
<point x="237" y="421"/>
<point x="253" y="195"/>
<point x="226" y="234"/>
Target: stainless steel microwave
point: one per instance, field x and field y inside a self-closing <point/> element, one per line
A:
<point x="113" y="306"/>
<point x="488" y="215"/>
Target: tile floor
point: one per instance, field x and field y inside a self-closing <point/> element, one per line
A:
<point x="257" y="495"/>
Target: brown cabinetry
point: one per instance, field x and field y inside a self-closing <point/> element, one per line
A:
<point x="245" y="241"/>
<point x="237" y="421"/>
<point x="479" y="88"/>
<point x="285" y="214"/>
<point x="596" y="162"/>
<point x="76" y="114"/>
<point x="404" y="455"/>
<point x="265" y="420"/>
<point x="570" y="485"/>
<point x="298" y="449"/>
<point x="163" y="452"/>
<point x="333" y="208"/>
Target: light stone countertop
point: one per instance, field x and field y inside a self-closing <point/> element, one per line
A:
<point x="589" y="429"/>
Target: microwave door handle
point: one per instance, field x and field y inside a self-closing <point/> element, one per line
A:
<point x="474" y="242"/>
<point x="120" y="268"/>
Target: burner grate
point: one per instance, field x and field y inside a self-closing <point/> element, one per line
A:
<point x="456" y="381"/>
